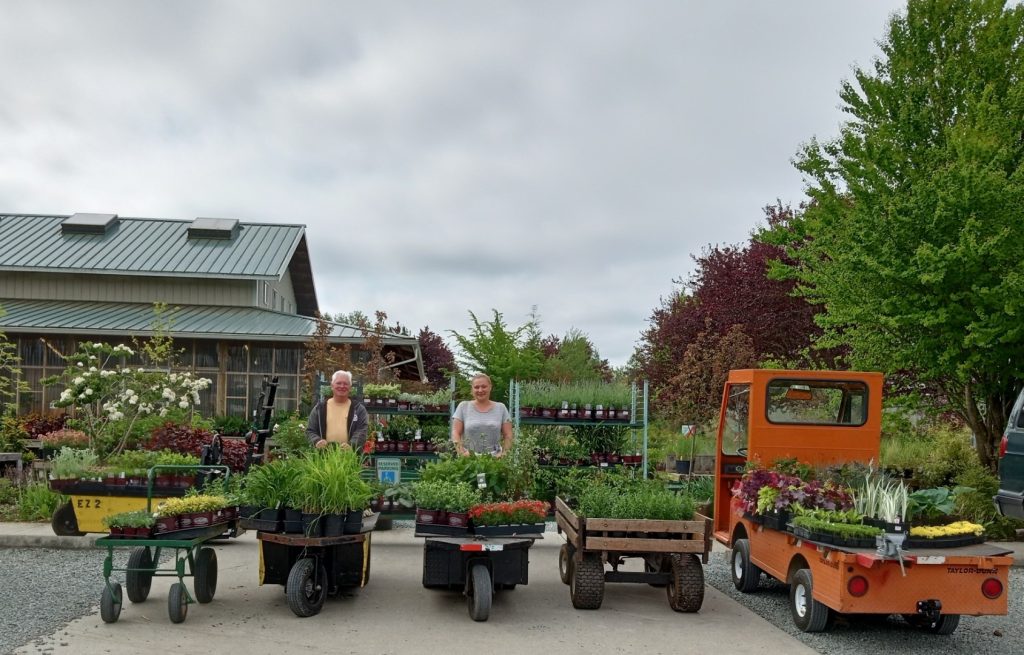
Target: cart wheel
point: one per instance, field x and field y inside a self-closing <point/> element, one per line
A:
<point x="480" y="592"/>
<point x="808" y="614"/>
<point x="745" y="574"/>
<point x="586" y="584"/>
<point x="686" y="583"/>
<point x="177" y="603"/>
<point x="307" y="587"/>
<point x="946" y="624"/>
<point x="110" y="602"/>
<point x="205" y="582"/>
<point x="139" y="576"/>
<point x="565" y="561"/>
<point x="64" y="522"/>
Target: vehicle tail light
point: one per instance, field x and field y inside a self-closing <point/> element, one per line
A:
<point x="1002" y="446"/>
<point x="992" y="588"/>
<point x="858" y="586"/>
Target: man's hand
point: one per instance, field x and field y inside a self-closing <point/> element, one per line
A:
<point x="322" y="443"/>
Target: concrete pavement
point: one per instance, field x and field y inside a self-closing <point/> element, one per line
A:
<point x="395" y="614"/>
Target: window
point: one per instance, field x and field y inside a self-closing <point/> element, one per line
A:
<point x="817" y="402"/>
<point x="737" y="413"/>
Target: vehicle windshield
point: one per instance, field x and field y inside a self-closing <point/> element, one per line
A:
<point x="818" y="402"/>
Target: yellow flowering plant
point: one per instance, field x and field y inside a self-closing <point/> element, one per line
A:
<point x="951" y="530"/>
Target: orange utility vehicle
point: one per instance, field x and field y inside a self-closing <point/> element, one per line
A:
<point x="823" y="418"/>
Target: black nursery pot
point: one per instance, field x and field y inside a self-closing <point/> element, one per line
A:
<point x="312" y="525"/>
<point x="334" y="525"/>
<point x="354" y="521"/>
<point x="292" y="521"/>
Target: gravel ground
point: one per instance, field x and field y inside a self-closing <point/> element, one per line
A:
<point x="45" y="589"/>
<point x="857" y="635"/>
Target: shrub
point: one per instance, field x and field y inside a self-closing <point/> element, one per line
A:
<point x="950" y="456"/>
<point x="37" y="503"/>
<point x="12" y="432"/>
<point x="190" y="440"/>
<point x="290" y="436"/>
<point x="37" y="424"/>
<point x="231" y="425"/>
<point x="65" y="437"/>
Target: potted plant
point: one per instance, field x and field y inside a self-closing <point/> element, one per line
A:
<point x="460" y="498"/>
<point x="508" y="518"/>
<point x="431" y="499"/>
<point x="136" y="523"/>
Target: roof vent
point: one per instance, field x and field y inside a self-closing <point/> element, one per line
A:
<point x="88" y="223"/>
<point x="213" y="228"/>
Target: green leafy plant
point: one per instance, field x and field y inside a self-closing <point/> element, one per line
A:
<point x="329" y="482"/>
<point x="935" y="503"/>
<point x="139" y="518"/>
<point x="270" y="485"/>
<point x="290" y="436"/>
<point x="846" y="530"/>
<point x="73" y="463"/>
<point x="36" y="502"/>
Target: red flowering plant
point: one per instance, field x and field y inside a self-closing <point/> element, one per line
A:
<point x="520" y="511"/>
<point x="761" y="491"/>
<point x="61" y="437"/>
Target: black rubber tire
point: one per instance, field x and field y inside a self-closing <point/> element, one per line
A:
<point x="586" y="585"/>
<point x="110" y="602"/>
<point x="307" y="587"/>
<point x="481" y="591"/>
<point x="64" y="522"/>
<point x="565" y="555"/>
<point x="137" y="583"/>
<point x="686" y="585"/>
<point x="177" y="603"/>
<point x="808" y="614"/>
<point x="205" y="575"/>
<point x="746" y="576"/>
<point x="946" y="624"/>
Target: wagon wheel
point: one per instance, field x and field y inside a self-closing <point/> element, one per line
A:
<point x="480" y="593"/>
<point x="177" y="603"/>
<point x="686" y="582"/>
<point x="139" y="576"/>
<point x="945" y="625"/>
<point x="565" y="555"/>
<point x="110" y="602"/>
<point x="745" y="574"/>
<point x="205" y="582"/>
<point x="307" y="587"/>
<point x="586" y="584"/>
<point x="64" y="521"/>
<point x="808" y="614"/>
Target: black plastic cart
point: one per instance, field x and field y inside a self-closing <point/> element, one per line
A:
<point x="477" y="566"/>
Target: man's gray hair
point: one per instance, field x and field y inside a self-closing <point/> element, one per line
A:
<point x="338" y="374"/>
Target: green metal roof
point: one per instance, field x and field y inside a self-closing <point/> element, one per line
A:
<point x="192" y="321"/>
<point x="145" y="246"/>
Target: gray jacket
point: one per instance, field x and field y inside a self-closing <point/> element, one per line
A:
<point x="358" y="424"/>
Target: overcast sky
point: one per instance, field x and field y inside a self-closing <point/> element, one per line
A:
<point x="446" y="157"/>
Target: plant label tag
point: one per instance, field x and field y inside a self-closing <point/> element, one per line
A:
<point x="604" y="465"/>
<point x="494" y="547"/>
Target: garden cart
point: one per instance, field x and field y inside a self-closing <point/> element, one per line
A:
<point x="669" y="550"/>
<point x="312" y="568"/>
<point x="477" y="566"/>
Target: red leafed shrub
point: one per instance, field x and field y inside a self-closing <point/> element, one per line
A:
<point x="190" y="441"/>
<point x="65" y="437"/>
<point x="37" y="425"/>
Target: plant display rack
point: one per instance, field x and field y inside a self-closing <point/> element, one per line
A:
<point x="637" y="424"/>
<point x="672" y="552"/>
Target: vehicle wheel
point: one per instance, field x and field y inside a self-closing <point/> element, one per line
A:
<point x="177" y="603"/>
<point x="110" y="602"/>
<point x="565" y="555"/>
<point x="138" y="581"/>
<point x="64" y="521"/>
<point x="480" y="592"/>
<point x="586" y="584"/>
<point x="946" y="624"/>
<point x="686" y="585"/>
<point x="808" y="614"/>
<point x="205" y="582"/>
<point x="746" y="576"/>
<point x="307" y="587"/>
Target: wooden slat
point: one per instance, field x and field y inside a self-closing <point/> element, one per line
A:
<point x="628" y="545"/>
<point x="564" y="510"/>
<point x="645" y="525"/>
<point x="571" y="535"/>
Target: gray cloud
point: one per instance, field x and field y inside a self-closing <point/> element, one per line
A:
<point x="445" y="156"/>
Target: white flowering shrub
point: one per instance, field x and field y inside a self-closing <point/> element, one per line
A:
<point x="108" y="395"/>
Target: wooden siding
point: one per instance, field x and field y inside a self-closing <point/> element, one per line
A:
<point x="118" y="288"/>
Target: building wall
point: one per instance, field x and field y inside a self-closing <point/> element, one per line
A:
<point x="123" y="288"/>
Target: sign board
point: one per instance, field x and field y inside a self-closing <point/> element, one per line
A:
<point x="389" y="470"/>
<point x="689" y="430"/>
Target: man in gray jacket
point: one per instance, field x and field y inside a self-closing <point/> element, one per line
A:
<point x="338" y="419"/>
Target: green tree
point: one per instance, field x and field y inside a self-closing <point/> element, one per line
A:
<point x="503" y="353"/>
<point x="911" y="241"/>
<point x="10" y="374"/>
<point x="573" y="358"/>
